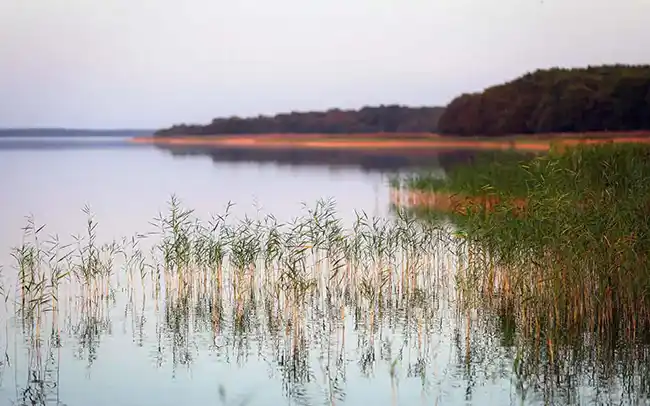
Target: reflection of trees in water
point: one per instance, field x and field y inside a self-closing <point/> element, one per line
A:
<point x="455" y="158"/>
<point x="372" y="160"/>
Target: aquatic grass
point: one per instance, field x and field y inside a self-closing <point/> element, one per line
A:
<point x="574" y="259"/>
<point x="499" y="170"/>
<point x="35" y="285"/>
<point x="569" y="269"/>
<point x="310" y="242"/>
<point x="290" y="291"/>
<point x="175" y="230"/>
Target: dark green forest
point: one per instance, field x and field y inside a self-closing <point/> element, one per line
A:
<point x="557" y="100"/>
<point x="391" y="118"/>
<point x="596" y="98"/>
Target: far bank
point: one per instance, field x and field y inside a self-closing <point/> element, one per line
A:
<point x="399" y="142"/>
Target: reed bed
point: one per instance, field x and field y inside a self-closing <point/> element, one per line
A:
<point x="297" y="292"/>
<point x="294" y="288"/>
<point x="573" y="262"/>
<point x="297" y="256"/>
<point x="499" y="170"/>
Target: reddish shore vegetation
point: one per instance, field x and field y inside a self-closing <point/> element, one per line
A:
<point x="447" y="202"/>
<point x="539" y="142"/>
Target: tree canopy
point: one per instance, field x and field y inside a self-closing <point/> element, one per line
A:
<point x="391" y="118"/>
<point x="596" y="98"/>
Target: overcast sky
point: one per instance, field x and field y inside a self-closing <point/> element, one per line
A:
<point x="151" y="63"/>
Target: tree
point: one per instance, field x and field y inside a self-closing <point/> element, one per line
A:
<point x="609" y="97"/>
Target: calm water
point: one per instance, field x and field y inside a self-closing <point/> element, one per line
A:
<point x="124" y="343"/>
<point x="126" y="186"/>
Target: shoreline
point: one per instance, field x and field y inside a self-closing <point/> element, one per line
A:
<point x="531" y="143"/>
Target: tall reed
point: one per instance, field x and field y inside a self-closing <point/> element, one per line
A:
<point x="574" y="258"/>
<point x="295" y="289"/>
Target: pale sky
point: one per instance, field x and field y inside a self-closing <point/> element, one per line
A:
<point x="151" y="63"/>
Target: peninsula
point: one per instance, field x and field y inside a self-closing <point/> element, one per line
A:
<point x="557" y="105"/>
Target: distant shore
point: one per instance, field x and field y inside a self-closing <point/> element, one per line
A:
<point x="416" y="141"/>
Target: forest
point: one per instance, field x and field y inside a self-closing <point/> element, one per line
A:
<point x="389" y="118"/>
<point x="596" y="98"/>
<point x="556" y="100"/>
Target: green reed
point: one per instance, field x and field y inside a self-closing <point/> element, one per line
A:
<point x="574" y="259"/>
<point x="309" y="250"/>
<point x="496" y="169"/>
<point x="294" y="287"/>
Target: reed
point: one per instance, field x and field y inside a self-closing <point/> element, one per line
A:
<point x="497" y="169"/>
<point x="292" y="290"/>
<point x="294" y="257"/>
<point x="572" y="260"/>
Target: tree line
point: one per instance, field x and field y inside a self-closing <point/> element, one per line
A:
<point x="596" y="98"/>
<point x="390" y="118"/>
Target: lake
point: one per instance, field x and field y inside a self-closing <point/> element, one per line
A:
<point x="383" y="328"/>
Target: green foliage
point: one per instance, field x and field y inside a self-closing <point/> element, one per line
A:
<point x="393" y="118"/>
<point x="292" y="291"/>
<point x="488" y="170"/>
<point x="597" y="98"/>
<point x="251" y="284"/>
<point x="575" y="258"/>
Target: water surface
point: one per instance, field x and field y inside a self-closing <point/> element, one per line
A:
<point x="373" y="339"/>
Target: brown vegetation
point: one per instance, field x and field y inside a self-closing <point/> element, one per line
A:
<point x="446" y="202"/>
<point x="541" y="143"/>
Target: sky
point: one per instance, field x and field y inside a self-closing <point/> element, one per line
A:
<point x="153" y="63"/>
